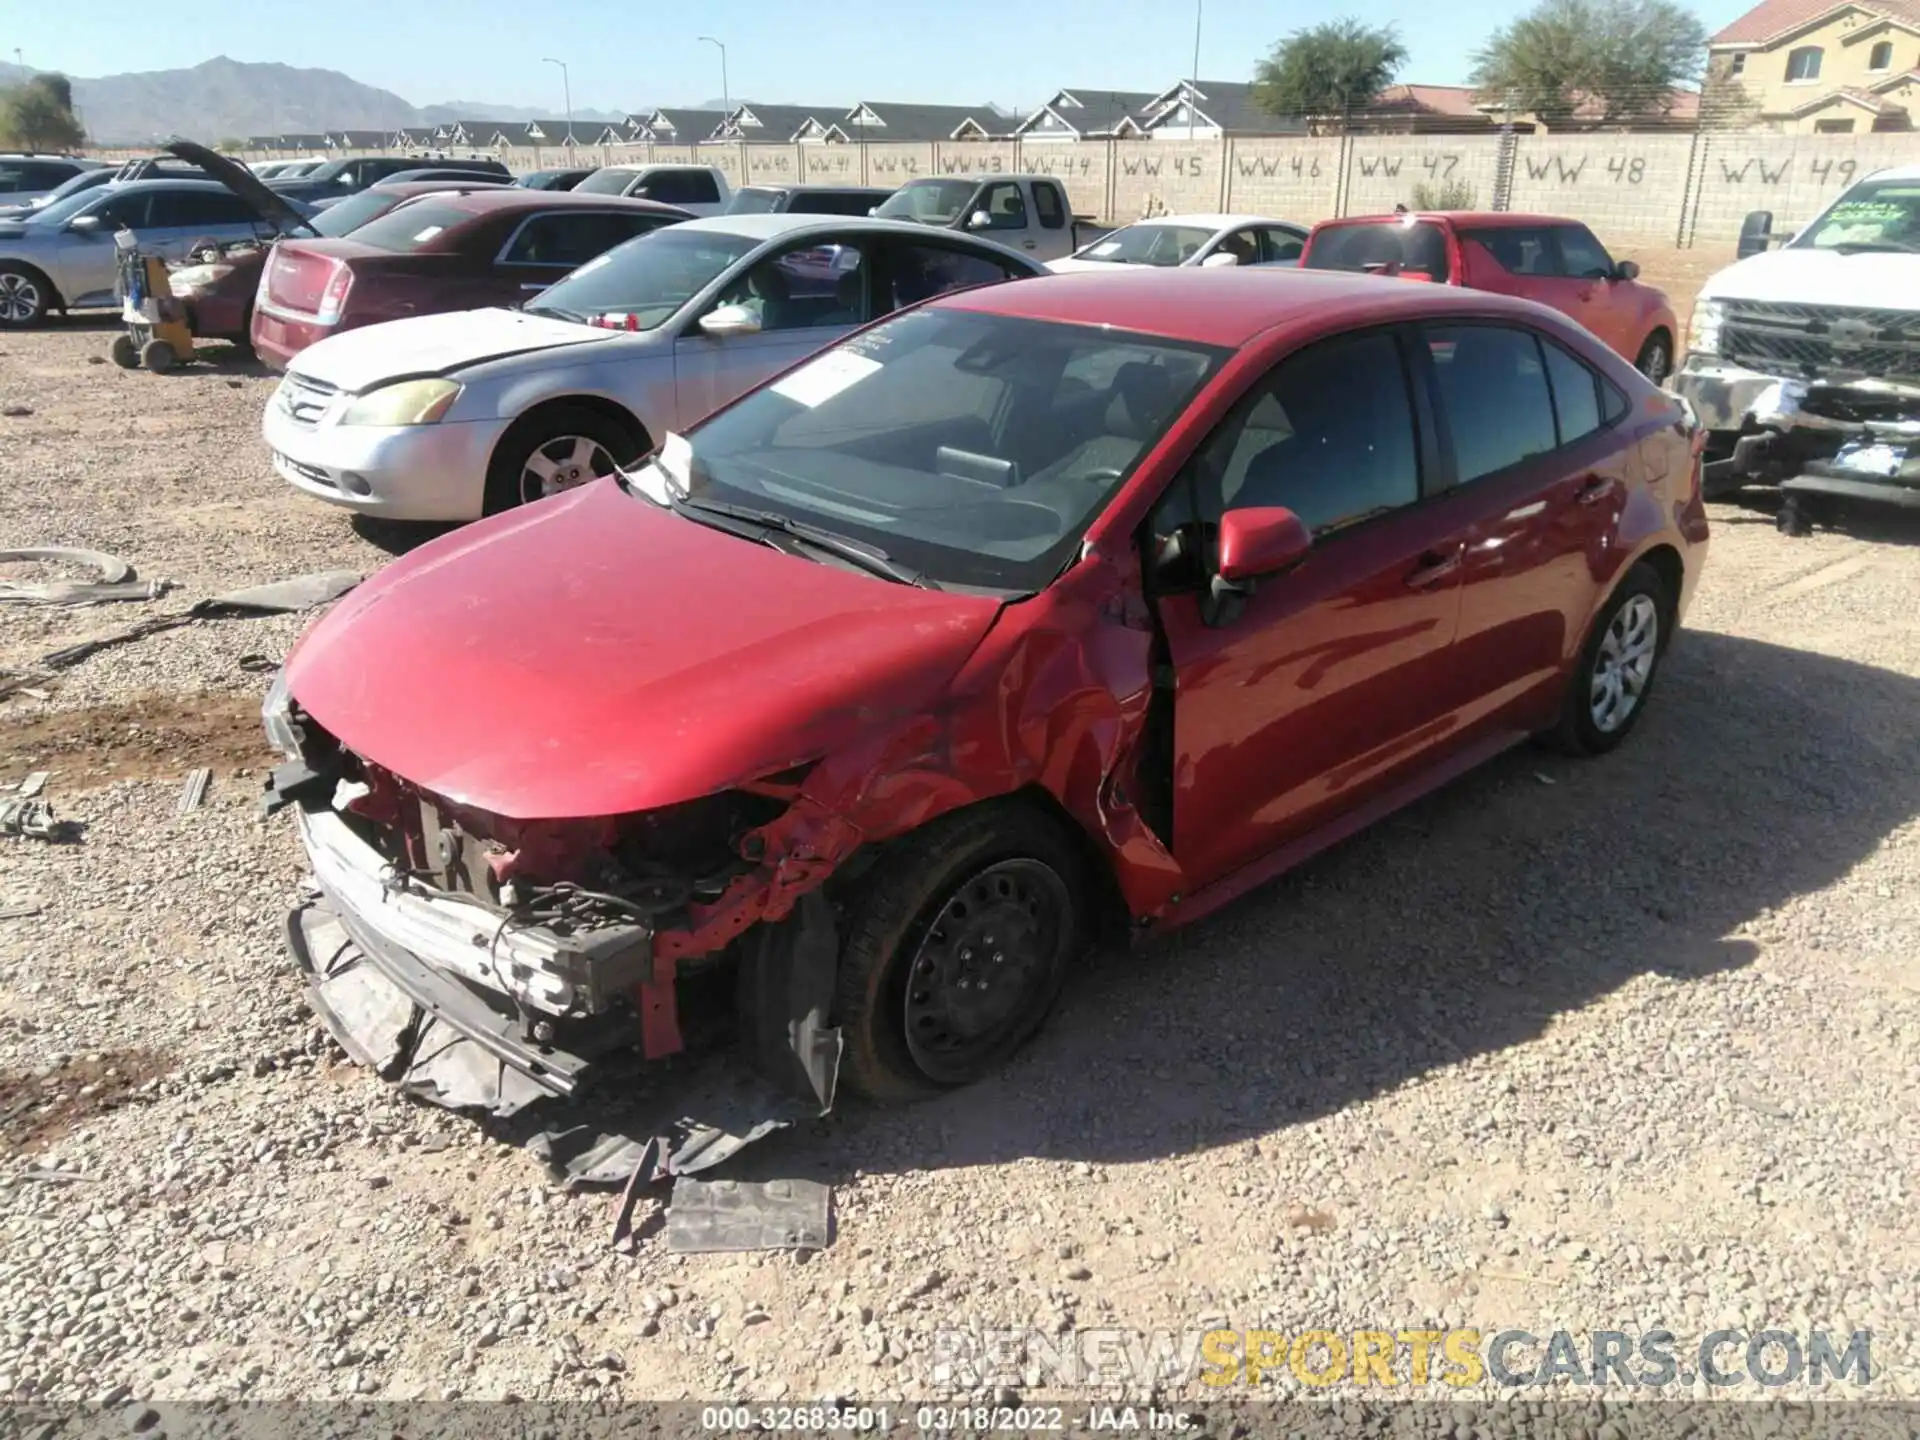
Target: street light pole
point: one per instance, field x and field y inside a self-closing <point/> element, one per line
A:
<point x="726" y="95"/>
<point x="1193" y="76"/>
<point x="566" y="86"/>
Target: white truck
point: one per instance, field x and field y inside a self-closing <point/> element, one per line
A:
<point x="701" y="189"/>
<point x="1803" y="362"/>
<point x="1028" y="213"/>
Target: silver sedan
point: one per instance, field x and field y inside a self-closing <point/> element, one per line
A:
<point x="449" y="417"/>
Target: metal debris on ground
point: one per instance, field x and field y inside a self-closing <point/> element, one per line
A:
<point x="21" y="682"/>
<point x="47" y="1175"/>
<point x="282" y="597"/>
<point x="20" y="911"/>
<point x="715" y="1215"/>
<point x="194" y="789"/>
<point x="115" y="579"/>
<point x="33" y="784"/>
<point x="33" y="820"/>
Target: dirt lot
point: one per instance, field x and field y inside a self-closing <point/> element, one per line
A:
<point x="1602" y="1046"/>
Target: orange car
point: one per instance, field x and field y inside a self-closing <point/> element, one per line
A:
<point x="1546" y="258"/>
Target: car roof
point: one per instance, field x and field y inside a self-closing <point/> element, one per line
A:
<point x="1216" y="220"/>
<point x="1228" y="306"/>
<point x="1478" y="219"/>
<point x="165" y="182"/>
<point x="1895" y="172"/>
<point x="767" y="227"/>
<point x="814" y="189"/>
<point x="483" y="199"/>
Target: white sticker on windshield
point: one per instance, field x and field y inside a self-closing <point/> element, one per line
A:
<point x="1105" y="247"/>
<point x="427" y="234"/>
<point x="825" y="378"/>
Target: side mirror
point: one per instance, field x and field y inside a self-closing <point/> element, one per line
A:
<point x="1262" y="540"/>
<point x="1626" y="270"/>
<point x="1756" y="234"/>
<point x="84" y="224"/>
<point x="979" y="220"/>
<point x="1219" y="260"/>
<point x="730" y="320"/>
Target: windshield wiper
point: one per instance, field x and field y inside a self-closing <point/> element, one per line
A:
<point x="869" y="558"/>
<point x="1873" y="247"/>
<point x="554" y="310"/>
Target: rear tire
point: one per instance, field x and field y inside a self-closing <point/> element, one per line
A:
<point x="576" y="445"/>
<point x="991" y="896"/>
<point x="25" y="298"/>
<point x="1614" y="678"/>
<point x="158" y="357"/>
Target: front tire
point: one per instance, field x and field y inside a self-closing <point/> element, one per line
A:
<point x="123" y="352"/>
<point x="1655" y="360"/>
<point x="956" y="950"/>
<point x="158" y="357"/>
<point x="1614" y="678"/>
<point x="25" y="298"/>
<point x="554" y="450"/>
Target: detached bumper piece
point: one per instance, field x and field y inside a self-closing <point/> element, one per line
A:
<point x="458" y="1045"/>
<point x="1855" y="442"/>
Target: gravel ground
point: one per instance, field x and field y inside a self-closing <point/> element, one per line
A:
<point x="1596" y="1046"/>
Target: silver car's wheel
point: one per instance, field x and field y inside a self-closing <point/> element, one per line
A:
<point x="22" y="300"/>
<point x="1625" y="663"/>
<point x="561" y="464"/>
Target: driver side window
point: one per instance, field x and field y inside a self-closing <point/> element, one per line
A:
<point x="808" y="287"/>
<point x="1005" y="207"/>
<point x="1328" y="434"/>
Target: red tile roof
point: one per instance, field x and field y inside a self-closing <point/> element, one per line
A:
<point x="1772" y="18"/>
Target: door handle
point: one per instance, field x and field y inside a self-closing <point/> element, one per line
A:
<point x="1432" y="569"/>
<point x="1597" y="488"/>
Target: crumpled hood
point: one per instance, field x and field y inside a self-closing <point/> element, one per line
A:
<point x="596" y="655"/>
<point x="1870" y="280"/>
<point x="356" y="360"/>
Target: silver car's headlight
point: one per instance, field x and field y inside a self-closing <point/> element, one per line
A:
<point x="411" y="402"/>
<point x="1703" y="332"/>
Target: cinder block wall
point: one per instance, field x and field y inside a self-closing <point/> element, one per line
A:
<point x="1676" y="189"/>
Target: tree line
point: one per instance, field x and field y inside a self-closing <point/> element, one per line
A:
<point x="38" y="115"/>
<point x="1597" y="61"/>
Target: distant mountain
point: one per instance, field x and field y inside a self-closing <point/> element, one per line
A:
<point x="222" y="98"/>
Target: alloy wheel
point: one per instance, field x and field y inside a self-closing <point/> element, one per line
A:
<point x="19" y="299"/>
<point x="562" y="463"/>
<point x="983" y="965"/>
<point x="1654" y="362"/>
<point x="1625" y="663"/>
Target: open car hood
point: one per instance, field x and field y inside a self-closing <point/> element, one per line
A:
<point x="272" y="208"/>
<point x="594" y="655"/>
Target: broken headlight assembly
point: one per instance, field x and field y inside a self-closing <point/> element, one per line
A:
<point x="410" y="402"/>
<point x="193" y="280"/>
<point x="1703" y="330"/>
<point x="276" y="714"/>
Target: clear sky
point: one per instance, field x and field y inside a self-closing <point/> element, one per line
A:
<point x="625" y="55"/>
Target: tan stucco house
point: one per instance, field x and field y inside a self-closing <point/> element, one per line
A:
<point x="1815" y="67"/>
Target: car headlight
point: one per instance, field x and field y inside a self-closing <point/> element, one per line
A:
<point x="1703" y="333"/>
<point x="276" y="713"/>
<point x="411" y="402"/>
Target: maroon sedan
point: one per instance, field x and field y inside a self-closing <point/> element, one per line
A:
<point x="219" y="291"/>
<point x="1041" y="611"/>
<point x="489" y="245"/>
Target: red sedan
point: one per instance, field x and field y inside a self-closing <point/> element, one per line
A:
<point x="1554" y="261"/>
<point x="1039" y="613"/>
<point x="465" y="250"/>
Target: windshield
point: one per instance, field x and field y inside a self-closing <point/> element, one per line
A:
<point x="325" y="171"/>
<point x="754" y="201"/>
<point x="931" y="202"/>
<point x="1393" y="247"/>
<point x="973" y="448"/>
<point x="409" y="228"/>
<point x="1148" y="245"/>
<point x="1882" y="216"/>
<point x="606" y="182"/>
<point x="647" y="279"/>
<point x="354" y="211"/>
<point x="55" y="212"/>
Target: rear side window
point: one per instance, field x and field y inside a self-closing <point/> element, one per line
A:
<point x="1576" y="394"/>
<point x="200" y="207"/>
<point x="832" y="202"/>
<point x="1519" y="251"/>
<point x="756" y="201"/>
<point x="411" y="227"/>
<point x="1047" y="205"/>
<point x="680" y="187"/>
<point x="1385" y="248"/>
<point x="921" y="272"/>
<point x="569" y="238"/>
<point x="1493" y="386"/>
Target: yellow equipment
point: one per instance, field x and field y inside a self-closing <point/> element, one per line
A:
<point x="157" y="334"/>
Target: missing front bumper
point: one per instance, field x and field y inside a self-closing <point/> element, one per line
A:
<point x="1857" y="440"/>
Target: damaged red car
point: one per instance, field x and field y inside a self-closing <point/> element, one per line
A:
<point x="1037" y="614"/>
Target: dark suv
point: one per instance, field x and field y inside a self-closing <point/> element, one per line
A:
<point x="25" y="177"/>
<point x="806" y="199"/>
<point x="345" y="177"/>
